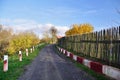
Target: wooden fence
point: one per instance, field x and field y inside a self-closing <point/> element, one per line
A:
<point x="103" y="45"/>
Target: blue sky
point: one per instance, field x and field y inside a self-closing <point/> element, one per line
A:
<point x="61" y="13"/>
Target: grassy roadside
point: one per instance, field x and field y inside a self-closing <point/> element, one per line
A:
<point x="87" y="70"/>
<point x="16" y="68"/>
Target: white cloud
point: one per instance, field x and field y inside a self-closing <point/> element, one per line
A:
<point x="19" y="25"/>
<point x="62" y="30"/>
<point x="5" y="20"/>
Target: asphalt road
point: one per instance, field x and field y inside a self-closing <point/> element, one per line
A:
<point x="48" y="65"/>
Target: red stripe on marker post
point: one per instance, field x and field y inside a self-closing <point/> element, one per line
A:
<point x="80" y="59"/>
<point x="96" y="67"/>
<point x="5" y="61"/>
<point x="71" y="55"/>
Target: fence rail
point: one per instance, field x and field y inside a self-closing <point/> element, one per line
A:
<point x="103" y="45"/>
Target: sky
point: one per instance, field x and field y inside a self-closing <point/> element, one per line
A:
<point x="40" y="15"/>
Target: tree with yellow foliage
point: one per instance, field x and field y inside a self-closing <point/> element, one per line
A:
<point x="22" y="41"/>
<point x="79" y="29"/>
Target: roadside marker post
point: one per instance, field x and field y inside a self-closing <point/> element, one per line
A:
<point x="5" y="65"/>
<point x="20" y="56"/>
<point x="26" y="52"/>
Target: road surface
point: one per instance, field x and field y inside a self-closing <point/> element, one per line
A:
<point x="48" y="65"/>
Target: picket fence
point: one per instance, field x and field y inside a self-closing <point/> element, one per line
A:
<point x="103" y="45"/>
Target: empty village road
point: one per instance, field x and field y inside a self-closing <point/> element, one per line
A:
<point x="48" y="65"/>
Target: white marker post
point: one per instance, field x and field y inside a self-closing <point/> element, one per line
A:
<point x="26" y="52"/>
<point x="20" y="56"/>
<point x="5" y="67"/>
<point x="31" y="50"/>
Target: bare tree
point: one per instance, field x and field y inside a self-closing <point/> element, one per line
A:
<point x="53" y="32"/>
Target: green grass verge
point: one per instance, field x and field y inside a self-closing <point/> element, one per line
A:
<point x="16" y="68"/>
<point x="87" y="70"/>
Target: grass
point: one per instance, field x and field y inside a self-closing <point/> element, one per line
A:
<point x="87" y="70"/>
<point x="16" y="68"/>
